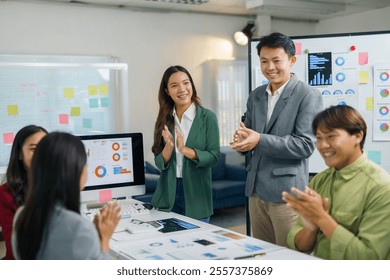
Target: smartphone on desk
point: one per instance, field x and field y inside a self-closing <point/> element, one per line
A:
<point x="147" y="206"/>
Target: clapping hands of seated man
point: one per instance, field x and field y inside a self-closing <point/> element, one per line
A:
<point x="245" y="139"/>
<point x="312" y="209"/>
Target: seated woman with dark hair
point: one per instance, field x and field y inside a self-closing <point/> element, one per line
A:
<point x="13" y="190"/>
<point x="49" y="225"/>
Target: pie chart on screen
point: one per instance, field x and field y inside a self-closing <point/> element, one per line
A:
<point x="100" y="171"/>
<point x="116" y="146"/>
<point x="116" y="157"/>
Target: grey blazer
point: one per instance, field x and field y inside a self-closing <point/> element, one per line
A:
<point x="280" y="160"/>
<point x="69" y="237"/>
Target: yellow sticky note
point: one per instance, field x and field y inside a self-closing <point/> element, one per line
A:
<point x="75" y="111"/>
<point x="363" y="77"/>
<point x="69" y="92"/>
<point x="370" y="103"/>
<point x="13" y="110"/>
<point x="92" y="90"/>
<point x="103" y="89"/>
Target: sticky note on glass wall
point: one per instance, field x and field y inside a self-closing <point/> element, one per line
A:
<point x="13" y="110"/>
<point x="370" y="103"/>
<point x="8" y="137"/>
<point x="363" y="58"/>
<point x="75" y="111"/>
<point x="93" y="103"/>
<point x="375" y="156"/>
<point x="105" y="102"/>
<point x="92" y="90"/>
<point x="87" y="123"/>
<point x="103" y="89"/>
<point x="69" y="93"/>
<point x="363" y="77"/>
<point x="63" y="118"/>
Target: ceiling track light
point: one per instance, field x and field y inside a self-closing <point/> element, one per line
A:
<point x="242" y="37"/>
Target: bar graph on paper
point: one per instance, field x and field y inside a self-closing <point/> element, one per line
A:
<point x="320" y="69"/>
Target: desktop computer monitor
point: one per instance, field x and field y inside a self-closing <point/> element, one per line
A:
<point x="115" y="166"/>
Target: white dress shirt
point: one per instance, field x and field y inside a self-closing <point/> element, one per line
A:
<point x="273" y="98"/>
<point x="184" y="126"/>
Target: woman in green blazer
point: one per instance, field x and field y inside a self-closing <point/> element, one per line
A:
<point x="186" y="146"/>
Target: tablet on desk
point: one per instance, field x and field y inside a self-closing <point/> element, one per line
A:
<point x="174" y="224"/>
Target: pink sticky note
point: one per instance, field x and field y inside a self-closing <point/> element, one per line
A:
<point x="8" y="137"/>
<point x="363" y="58"/>
<point x="105" y="195"/>
<point x="298" y="48"/>
<point x="63" y="118"/>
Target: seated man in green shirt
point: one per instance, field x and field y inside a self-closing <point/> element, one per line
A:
<point x="345" y="211"/>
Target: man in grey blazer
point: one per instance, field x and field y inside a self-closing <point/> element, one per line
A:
<point x="277" y="139"/>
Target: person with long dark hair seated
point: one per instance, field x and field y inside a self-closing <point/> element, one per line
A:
<point x="49" y="225"/>
<point x="14" y="188"/>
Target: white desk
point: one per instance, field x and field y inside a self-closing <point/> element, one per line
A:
<point x="205" y="242"/>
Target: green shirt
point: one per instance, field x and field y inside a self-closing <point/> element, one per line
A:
<point x="359" y="197"/>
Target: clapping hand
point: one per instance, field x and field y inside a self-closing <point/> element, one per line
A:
<point x="106" y="221"/>
<point x="168" y="138"/>
<point x="309" y="205"/>
<point x="245" y="139"/>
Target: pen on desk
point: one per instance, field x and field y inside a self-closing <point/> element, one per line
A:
<point x="249" y="256"/>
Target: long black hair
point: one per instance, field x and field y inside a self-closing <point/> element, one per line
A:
<point x="165" y="113"/>
<point x="16" y="173"/>
<point x="57" y="166"/>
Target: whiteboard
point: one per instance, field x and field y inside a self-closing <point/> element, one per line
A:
<point x="80" y="98"/>
<point x="351" y="69"/>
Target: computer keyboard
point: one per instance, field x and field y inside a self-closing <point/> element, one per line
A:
<point x="128" y="210"/>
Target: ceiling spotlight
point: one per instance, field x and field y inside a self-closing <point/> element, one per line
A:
<point x="242" y="37"/>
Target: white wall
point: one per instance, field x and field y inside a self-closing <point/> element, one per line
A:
<point x="147" y="42"/>
<point x="293" y="28"/>
<point x="375" y="20"/>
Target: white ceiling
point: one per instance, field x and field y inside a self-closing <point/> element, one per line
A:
<point x="289" y="9"/>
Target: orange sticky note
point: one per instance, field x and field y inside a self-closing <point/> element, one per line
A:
<point x="69" y="93"/>
<point x="363" y="58"/>
<point x="8" y="137"/>
<point x="103" y="89"/>
<point x="298" y="48"/>
<point x="105" y="195"/>
<point x="63" y="118"/>
<point x="13" y="110"/>
<point x="75" y="111"/>
<point x="92" y="90"/>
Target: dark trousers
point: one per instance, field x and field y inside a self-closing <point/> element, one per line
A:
<point x="179" y="206"/>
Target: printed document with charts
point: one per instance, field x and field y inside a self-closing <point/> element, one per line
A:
<point x="188" y="242"/>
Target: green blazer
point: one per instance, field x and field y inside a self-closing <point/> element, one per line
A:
<point x="204" y="139"/>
